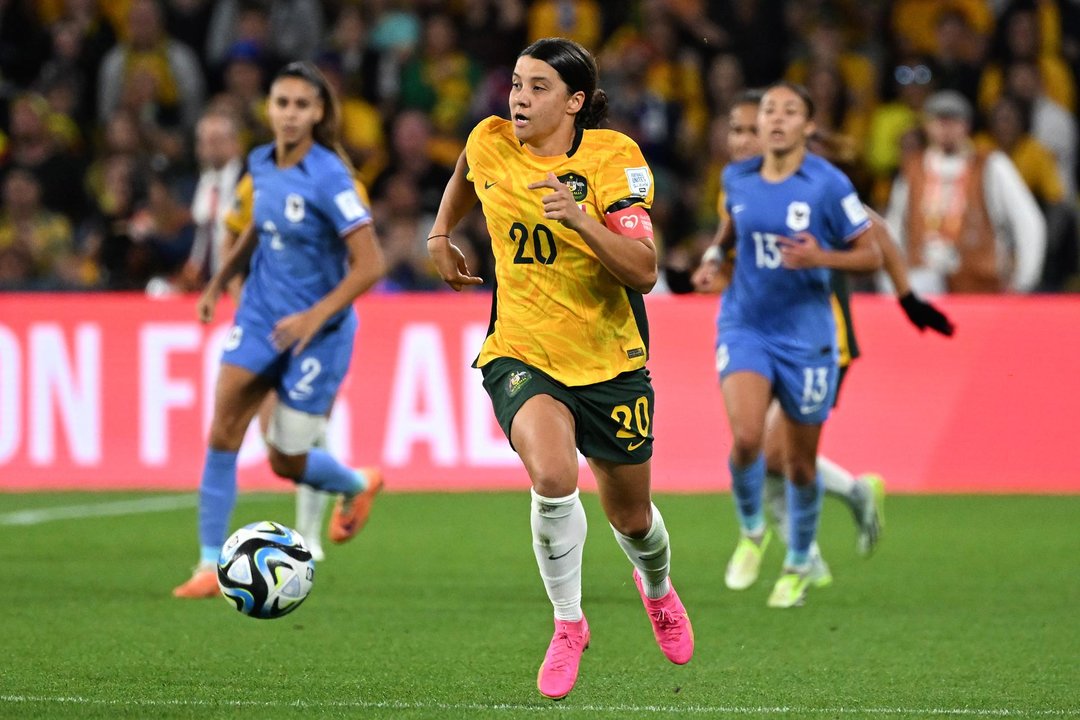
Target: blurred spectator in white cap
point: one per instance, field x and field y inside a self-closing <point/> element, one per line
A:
<point x="965" y="217"/>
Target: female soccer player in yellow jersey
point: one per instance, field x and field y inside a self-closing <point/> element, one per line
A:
<point x="564" y="360"/>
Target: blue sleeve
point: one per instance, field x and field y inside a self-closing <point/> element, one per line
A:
<point x="845" y="216"/>
<point x="725" y="187"/>
<point x="340" y="201"/>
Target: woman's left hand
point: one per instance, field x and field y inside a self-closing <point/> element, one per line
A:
<point x="801" y="251"/>
<point x="560" y="205"/>
<point x="295" y="331"/>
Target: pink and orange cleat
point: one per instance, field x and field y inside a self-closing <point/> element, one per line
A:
<point x="671" y="624"/>
<point x="560" y="669"/>
<point x="349" y="517"/>
<point x="202" y="584"/>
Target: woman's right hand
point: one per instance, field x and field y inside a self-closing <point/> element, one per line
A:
<point x="207" y="304"/>
<point x="450" y="263"/>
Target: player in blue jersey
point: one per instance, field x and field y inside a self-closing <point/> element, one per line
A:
<point x="864" y="495"/>
<point x="312" y="252"/>
<point x="795" y="218"/>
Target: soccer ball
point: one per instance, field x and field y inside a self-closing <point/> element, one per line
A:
<point x="265" y="570"/>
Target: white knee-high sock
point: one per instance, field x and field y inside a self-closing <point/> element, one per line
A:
<point x="311" y="507"/>
<point x="310" y="510"/>
<point x="836" y="479"/>
<point x="776" y="503"/>
<point x="651" y="555"/>
<point x="558" y="529"/>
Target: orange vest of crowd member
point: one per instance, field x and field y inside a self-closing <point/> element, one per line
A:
<point x="980" y="269"/>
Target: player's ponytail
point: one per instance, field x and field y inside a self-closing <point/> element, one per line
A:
<point x="577" y="68"/>
<point x="327" y="132"/>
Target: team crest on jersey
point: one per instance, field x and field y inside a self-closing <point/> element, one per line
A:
<point x="578" y="187"/>
<point x="294" y="207"/>
<point x="518" y="379"/>
<point x="798" y="216"/>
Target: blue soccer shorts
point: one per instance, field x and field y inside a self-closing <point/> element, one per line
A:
<point x="804" y="382"/>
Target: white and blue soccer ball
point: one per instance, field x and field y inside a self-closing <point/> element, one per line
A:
<point x="265" y="569"/>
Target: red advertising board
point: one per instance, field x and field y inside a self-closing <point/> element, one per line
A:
<point x="114" y="391"/>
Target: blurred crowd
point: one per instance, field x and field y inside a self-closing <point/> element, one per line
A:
<point x="124" y="123"/>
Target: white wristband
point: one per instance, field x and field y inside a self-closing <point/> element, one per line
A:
<point x="712" y="254"/>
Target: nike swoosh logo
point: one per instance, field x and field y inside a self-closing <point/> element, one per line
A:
<point x="634" y="446"/>
<point x="489" y="185"/>
<point x="559" y="557"/>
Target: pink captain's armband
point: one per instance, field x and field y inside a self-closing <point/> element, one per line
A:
<point x="633" y="222"/>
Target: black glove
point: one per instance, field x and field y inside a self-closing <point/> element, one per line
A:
<point x="924" y="315"/>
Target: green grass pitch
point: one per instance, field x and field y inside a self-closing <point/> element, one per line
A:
<point x="970" y="608"/>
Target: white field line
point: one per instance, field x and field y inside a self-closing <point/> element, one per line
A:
<point x="102" y="509"/>
<point x="544" y="707"/>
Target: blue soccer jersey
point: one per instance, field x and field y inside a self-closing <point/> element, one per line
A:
<point x="302" y="213"/>
<point x="791" y="308"/>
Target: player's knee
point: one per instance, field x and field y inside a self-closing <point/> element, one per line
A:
<point x="552" y="482"/>
<point x="226" y="435"/>
<point x="745" y="446"/>
<point x="631" y="523"/>
<point x="801" y="472"/>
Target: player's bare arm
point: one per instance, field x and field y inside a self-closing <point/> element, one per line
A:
<point x="633" y="263"/>
<point x="921" y="313"/>
<point x="238" y="257"/>
<point x="713" y="274"/>
<point x="804" y="251"/>
<point x="458" y="198"/>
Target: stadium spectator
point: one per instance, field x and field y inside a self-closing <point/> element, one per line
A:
<point x="244" y="92"/>
<point x="162" y="235"/>
<point x="855" y="77"/>
<point x="1023" y="42"/>
<point x="1051" y="124"/>
<point x="220" y="155"/>
<point x="957" y="52"/>
<point x="67" y="68"/>
<point x="965" y="217"/>
<point x="893" y="123"/>
<point x="32" y="145"/>
<point x="439" y="79"/>
<point x="418" y="156"/>
<point x="1009" y="131"/>
<point x="913" y="22"/>
<point x="107" y="239"/>
<point x="361" y="65"/>
<point x="725" y="81"/>
<point x="31" y="233"/>
<point x="24" y="43"/>
<point x="554" y="364"/>
<point x="166" y="74"/>
<point x="362" y="134"/>
<point x="577" y="20"/>
<point x="188" y="21"/>
<point x="283" y="29"/>
<point x="492" y="32"/>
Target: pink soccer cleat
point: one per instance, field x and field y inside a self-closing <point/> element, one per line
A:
<point x="670" y="623"/>
<point x="560" y="669"/>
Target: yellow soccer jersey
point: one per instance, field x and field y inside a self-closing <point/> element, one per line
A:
<point x="556" y="307"/>
<point x="239" y="214"/>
